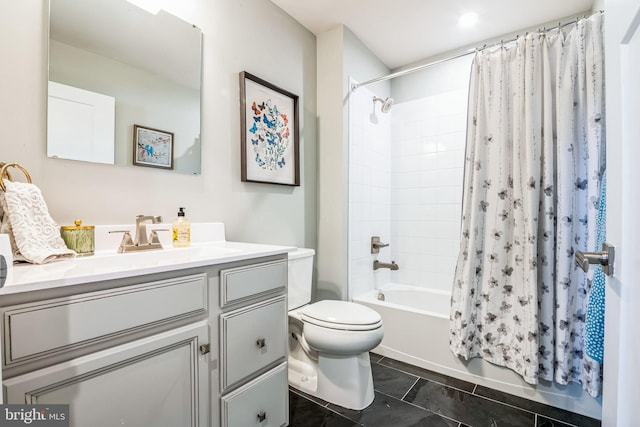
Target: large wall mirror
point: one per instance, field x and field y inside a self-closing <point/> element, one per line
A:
<point x="112" y="66"/>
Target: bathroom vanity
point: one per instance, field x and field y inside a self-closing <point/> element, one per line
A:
<point x="177" y="337"/>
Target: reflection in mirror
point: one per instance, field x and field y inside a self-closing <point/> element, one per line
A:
<point x="150" y="65"/>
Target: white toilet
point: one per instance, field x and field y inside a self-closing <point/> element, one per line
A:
<point x="329" y="341"/>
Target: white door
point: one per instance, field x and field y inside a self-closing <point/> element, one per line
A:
<point x="621" y="393"/>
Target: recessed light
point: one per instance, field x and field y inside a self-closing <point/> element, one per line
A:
<point x="468" y="19"/>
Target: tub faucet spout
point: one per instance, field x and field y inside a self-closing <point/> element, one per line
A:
<point x="392" y="266"/>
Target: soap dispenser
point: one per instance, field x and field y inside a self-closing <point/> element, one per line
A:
<point x="181" y="234"/>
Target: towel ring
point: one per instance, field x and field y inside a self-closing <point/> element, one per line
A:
<point x="4" y="172"/>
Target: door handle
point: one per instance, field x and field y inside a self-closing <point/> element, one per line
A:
<point x="605" y="258"/>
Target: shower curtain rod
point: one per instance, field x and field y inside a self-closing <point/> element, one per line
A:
<point x="400" y="73"/>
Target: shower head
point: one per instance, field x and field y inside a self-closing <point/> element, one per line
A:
<point x="386" y="103"/>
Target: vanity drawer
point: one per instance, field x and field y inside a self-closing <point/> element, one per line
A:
<point x="244" y="283"/>
<point x="262" y="402"/>
<point x="40" y="329"/>
<point x="252" y="338"/>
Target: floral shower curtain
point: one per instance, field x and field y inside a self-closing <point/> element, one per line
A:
<point x="534" y="161"/>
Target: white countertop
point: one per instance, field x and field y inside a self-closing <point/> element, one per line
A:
<point x="109" y="265"/>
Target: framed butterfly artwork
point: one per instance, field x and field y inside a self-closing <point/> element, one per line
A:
<point x="269" y="133"/>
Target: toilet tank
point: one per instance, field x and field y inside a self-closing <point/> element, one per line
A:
<point x="300" y="274"/>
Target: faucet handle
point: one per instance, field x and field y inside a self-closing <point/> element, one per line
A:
<point x="376" y="244"/>
<point x="126" y="239"/>
<point x="153" y="237"/>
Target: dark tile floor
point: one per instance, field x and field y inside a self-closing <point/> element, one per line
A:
<point x="408" y="396"/>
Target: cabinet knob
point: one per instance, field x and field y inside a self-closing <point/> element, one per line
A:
<point x="262" y="415"/>
<point x="204" y="348"/>
<point x="261" y="343"/>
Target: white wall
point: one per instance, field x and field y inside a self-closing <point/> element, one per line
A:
<point x="405" y="178"/>
<point x="445" y="77"/>
<point x="598" y="5"/>
<point x="427" y="167"/>
<point x="369" y="190"/>
<point x="340" y="56"/>
<point x="101" y="194"/>
<point x="428" y="140"/>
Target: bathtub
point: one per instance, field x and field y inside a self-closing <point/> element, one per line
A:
<point x="416" y="331"/>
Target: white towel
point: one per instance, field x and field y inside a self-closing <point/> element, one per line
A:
<point x="35" y="236"/>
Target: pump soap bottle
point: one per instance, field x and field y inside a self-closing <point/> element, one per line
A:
<point x="181" y="230"/>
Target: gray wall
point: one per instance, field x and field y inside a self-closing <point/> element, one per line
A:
<point x="103" y="194"/>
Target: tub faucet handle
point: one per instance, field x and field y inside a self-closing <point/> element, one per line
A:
<point x="376" y="244"/>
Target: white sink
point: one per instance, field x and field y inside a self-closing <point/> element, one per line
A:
<point x="161" y="256"/>
<point x="108" y="264"/>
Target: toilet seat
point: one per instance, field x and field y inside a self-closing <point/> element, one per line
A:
<point x="341" y="315"/>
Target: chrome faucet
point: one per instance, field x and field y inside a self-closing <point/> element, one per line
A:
<point x="377" y="264"/>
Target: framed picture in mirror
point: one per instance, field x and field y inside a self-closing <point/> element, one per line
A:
<point x="269" y="132"/>
<point x="152" y="147"/>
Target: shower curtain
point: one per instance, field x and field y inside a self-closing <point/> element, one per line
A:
<point x="534" y="161"/>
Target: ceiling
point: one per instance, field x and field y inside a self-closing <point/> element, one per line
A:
<point x="161" y="43"/>
<point x="402" y="32"/>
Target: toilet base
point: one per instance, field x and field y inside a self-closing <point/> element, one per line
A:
<point x="342" y="380"/>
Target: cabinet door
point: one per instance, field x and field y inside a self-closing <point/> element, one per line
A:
<point x="263" y="402"/>
<point x="252" y="339"/>
<point x="157" y="381"/>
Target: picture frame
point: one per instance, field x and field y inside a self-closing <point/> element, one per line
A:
<point x="269" y="130"/>
<point x="152" y="147"/>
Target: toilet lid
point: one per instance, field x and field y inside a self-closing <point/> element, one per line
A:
<point x="341" y="315"/>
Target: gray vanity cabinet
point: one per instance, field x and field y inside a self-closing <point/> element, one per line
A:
<point x="125" y="355"/>
<point x="203" y="346"/>
<point x="253" y="345"/>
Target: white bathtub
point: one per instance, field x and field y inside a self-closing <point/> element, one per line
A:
<point x="411" y="298"/>
<point x="416" y="331"/>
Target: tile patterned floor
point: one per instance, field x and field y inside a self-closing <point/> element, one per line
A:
<point x="408" y="396"/>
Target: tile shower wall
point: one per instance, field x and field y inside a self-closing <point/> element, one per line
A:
<point x="369" y="190"/>
<point x="427" y="165"/>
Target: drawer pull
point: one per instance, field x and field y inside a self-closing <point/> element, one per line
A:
<point x="261" y="343"/>
<point x="205" y="348"/>
<point x="262" y="416"/>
